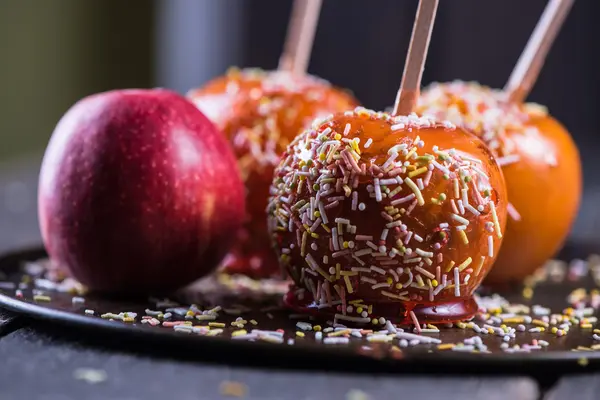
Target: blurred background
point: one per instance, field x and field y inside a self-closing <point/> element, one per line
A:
<point x="54" y="52"/>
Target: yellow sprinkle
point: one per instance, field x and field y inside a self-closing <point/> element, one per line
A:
<point x="39" y="297"/>
<point x="528" y="293"/>
<point x="434" y="283"/>
<point x="554" y="329"/>
<point x="239" y="333"/>
<point x="490" y="330"/>
<point x="399" y="286"/>
<point x="317" y="328"/>
<point x="338" y="266"/>
<point x="596" y="331"/>
<point x="327" y="229"/>
<point x="583" y="361"/>
<point x="418" y="171"/>
<point x="374" y="321"/>
<point x="345" y="245"/>
<point x="463" y="237"/>
<point x="514" y="320"/>
<point x="348" y="273"/>
<point x="317" y="214"/>
<point x="450" y="266"/>
<point x="495" y="219"/>
<point x="253" y="322"/>
<point x="128" y="319"/>
<point x="461" y="325"/>
<point x="415" y="190"/>
<point x="324" y="274"/>
<point x="300" y="334"/>
<point x="337" y="136"/>
<point x="359" y="310"/>
<point x="419" y="280"/>
<point x="314" y="235"/>
<point x="445" y="346"/>
<point x="303" y="243"/>
<point x="339" y="333"/>
<point x="348" y="284"/>
<point x="370" y="310"/>
<point x="465" y="264"/>
<point x="216" y="324"/>
<point x="586" y="326"/>
<point x="478" y="268"/>
<point x="410" y="153"/>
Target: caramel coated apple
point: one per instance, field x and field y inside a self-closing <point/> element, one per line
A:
<point x="375" y="216"/>
<point x="541" y="166"/>
<point x="261" y="112"/>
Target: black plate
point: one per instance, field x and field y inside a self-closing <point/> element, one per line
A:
<point x="306" y="352"/>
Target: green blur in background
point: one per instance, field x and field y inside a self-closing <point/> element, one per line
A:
<point x="53" y="52"/>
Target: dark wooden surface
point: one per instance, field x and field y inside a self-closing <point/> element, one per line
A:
<point x="42" y="362"/>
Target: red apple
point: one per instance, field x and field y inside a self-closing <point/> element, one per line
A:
<point x="138" y="192"/>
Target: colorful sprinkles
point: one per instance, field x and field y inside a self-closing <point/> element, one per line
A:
<point x="348" y="218"/>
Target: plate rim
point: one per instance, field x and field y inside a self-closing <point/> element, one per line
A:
<point x="37" y="312"/>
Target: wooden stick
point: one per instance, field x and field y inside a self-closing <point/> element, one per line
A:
<point x="532" y="58"/>
<point x="300" y="36"/>
<point x="408" y="93"/>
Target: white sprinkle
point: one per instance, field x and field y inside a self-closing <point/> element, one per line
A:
<point x="404" y="199"/>
<point x="334" y="237"/>
<point x="460" y="219"/>
<point x="461" y="207"/>
<point x="377" y="269"/>
<point x="305" y="326"/>
<point x="368" y="143"/>
<point x="472" y="209"/>
<point x="420" y="338"/>
<point x="423" y="253"/>
<point x="490" y="241"/>
<point x="456" y="282"/>
<point x="380" y="285"/>
<point x="354" y="200"/>
<point x="78" y="300"/>
<point x="347" y="129"/>
<point x="359" y="320"/>
<point x="362" y="252"/>
<point x="336" y="340"/>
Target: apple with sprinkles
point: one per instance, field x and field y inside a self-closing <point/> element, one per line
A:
<point x="539" y="158"/>
<point x="261" y="112"/>
<point x="382" y="217"/>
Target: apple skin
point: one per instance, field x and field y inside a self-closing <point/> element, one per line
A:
<point x="138" y="192"/>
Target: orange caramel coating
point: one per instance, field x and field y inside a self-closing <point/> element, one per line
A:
<point x="541" y="166"/>
<point x="387" y="211"/>
<point x="261" y="112"/>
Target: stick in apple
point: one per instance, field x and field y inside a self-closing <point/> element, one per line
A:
<point x="300" y="36"/>
<point x="532" y="58"/>
<point x="408" y="93"/>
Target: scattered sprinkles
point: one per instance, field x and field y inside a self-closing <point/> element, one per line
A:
<point x="510" y="327"/>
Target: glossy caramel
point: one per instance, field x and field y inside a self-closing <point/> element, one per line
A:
<point x="542" y="170"/>
<point x="400" y="252"/>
